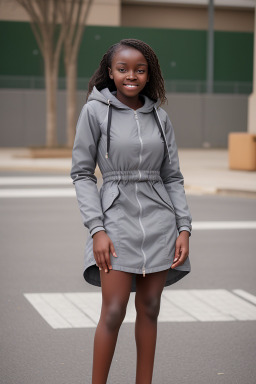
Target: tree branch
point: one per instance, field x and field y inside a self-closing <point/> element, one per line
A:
<point x="30" y="10"/>
<point x="71" y="13"/>
<point x="73" y="25"/>
<point x="59" y="43"/>
<point x="38" y="36"/>
<point x="80" y="29"/>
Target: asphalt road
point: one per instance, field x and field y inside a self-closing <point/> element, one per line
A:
<point x="42" y="243"/>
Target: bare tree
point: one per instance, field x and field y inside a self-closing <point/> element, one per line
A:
<point x="49" y="34"/>
<point x="74" y="14"/>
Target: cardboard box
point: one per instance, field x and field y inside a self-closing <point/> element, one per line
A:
<point x="242" y="151"/>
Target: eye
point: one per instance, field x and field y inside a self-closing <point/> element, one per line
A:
<point x="141" y="71"/>
<point x="121" y="70"/>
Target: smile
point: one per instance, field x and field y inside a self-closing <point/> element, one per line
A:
<point x="131" y="85"/>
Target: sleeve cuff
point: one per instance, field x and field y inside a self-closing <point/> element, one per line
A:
<point x="94" y="223"/>
<point x="96" y="229"/>
<point x="184" y="228"/>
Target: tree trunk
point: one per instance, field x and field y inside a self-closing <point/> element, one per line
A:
<point x="51" y="75"/>
<point x="49" y="34"/>
<point x="71" y="73"/>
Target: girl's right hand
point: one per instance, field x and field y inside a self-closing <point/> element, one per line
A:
<point x="102" y="246"/>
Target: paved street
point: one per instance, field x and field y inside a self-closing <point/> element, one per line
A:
<point x="207" y="323"/>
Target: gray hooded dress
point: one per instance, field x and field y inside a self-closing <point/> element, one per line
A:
<point x="141" y="204"/>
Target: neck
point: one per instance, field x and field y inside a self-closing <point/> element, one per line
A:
<point x="133" y="103"/>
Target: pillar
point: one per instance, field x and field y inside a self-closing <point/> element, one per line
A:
<point x="251" y="126"/>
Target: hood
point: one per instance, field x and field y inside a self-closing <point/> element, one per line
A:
<point x="109" y="98"/>
<point x="105" y="96"/>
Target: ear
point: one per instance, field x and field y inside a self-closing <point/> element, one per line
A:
<point x="110" y="73"/>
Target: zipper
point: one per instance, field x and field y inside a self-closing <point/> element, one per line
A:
<point x="136" y="188"/>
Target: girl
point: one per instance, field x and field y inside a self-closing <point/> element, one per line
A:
<point x="139" y="221"/>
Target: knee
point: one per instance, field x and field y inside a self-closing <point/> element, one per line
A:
<point x="152" y="308"/>
<point x="114" y="315"/>
<point x="149" y="307"/>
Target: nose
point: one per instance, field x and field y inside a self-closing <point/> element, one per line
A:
<point x="131" y="75"/>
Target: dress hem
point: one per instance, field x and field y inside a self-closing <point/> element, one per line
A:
<point x="93" y="277"/>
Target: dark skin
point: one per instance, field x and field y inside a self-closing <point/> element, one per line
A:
<point x="129" y="70"/>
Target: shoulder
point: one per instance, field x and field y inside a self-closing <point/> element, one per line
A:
<point x="95" y="109"/>
<point x="162" y="114"/>
<point x="95" y="106"/>
<point x="165" y="120"/>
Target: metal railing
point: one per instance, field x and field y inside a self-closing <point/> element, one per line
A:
<point x="172" y="86"/>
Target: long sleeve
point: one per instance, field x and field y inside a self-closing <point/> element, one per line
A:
<point x="173" y="180"/>
<point x="84" y="158"/>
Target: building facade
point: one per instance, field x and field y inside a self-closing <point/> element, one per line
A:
<point x="177" y="31"/>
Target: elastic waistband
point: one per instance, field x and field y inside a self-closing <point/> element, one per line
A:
<point x="138" y="175"/>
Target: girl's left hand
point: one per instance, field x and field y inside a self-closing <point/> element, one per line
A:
<point x="181" y="250"/>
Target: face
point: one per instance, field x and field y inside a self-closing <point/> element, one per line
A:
<point x="129" y="70"/>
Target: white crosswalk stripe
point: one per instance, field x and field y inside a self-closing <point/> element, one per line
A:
<point x="35" y="189"/>
<point x="49" y="313"/>
<point x="37" y="192"/>
<point x="245" y="295"/>
<point x="82" y="309"/>
<point x="200" y="308"/>
<point x="211" y="225"/>
<point x="35" y="180"/>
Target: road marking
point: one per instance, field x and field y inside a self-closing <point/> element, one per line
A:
<point x="33" y="192"/>
<point x="227" y="303"/>
<point x="35" y="180"/>
<point x="53" y="318"/>
<point x="36" y="192"/>
<point x="82" y="309"/>
<point x="245" y="295"/>
<point x="211" y="225"/>
<point x="197" y="305"/>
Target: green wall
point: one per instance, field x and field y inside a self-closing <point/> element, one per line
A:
<point x="20" y="54"/>
<point x="233" y="56"/>
<point x="182" y="53"/>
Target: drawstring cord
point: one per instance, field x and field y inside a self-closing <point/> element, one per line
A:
<point x="158" y="121"/>
<point x="108" y="127"/>
<point x="159" y="124"/>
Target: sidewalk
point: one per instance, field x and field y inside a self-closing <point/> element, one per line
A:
<point x="205" y="171"/>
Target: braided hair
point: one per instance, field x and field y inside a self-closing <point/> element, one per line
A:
<point x="154" y="89"/>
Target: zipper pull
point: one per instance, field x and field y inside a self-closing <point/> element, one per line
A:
<point x="144" y="272"/>
<point x="135" y="115"/>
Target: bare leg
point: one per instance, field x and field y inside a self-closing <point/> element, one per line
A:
<point x="116" y="287"/>
<point x="147" y="303"/>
